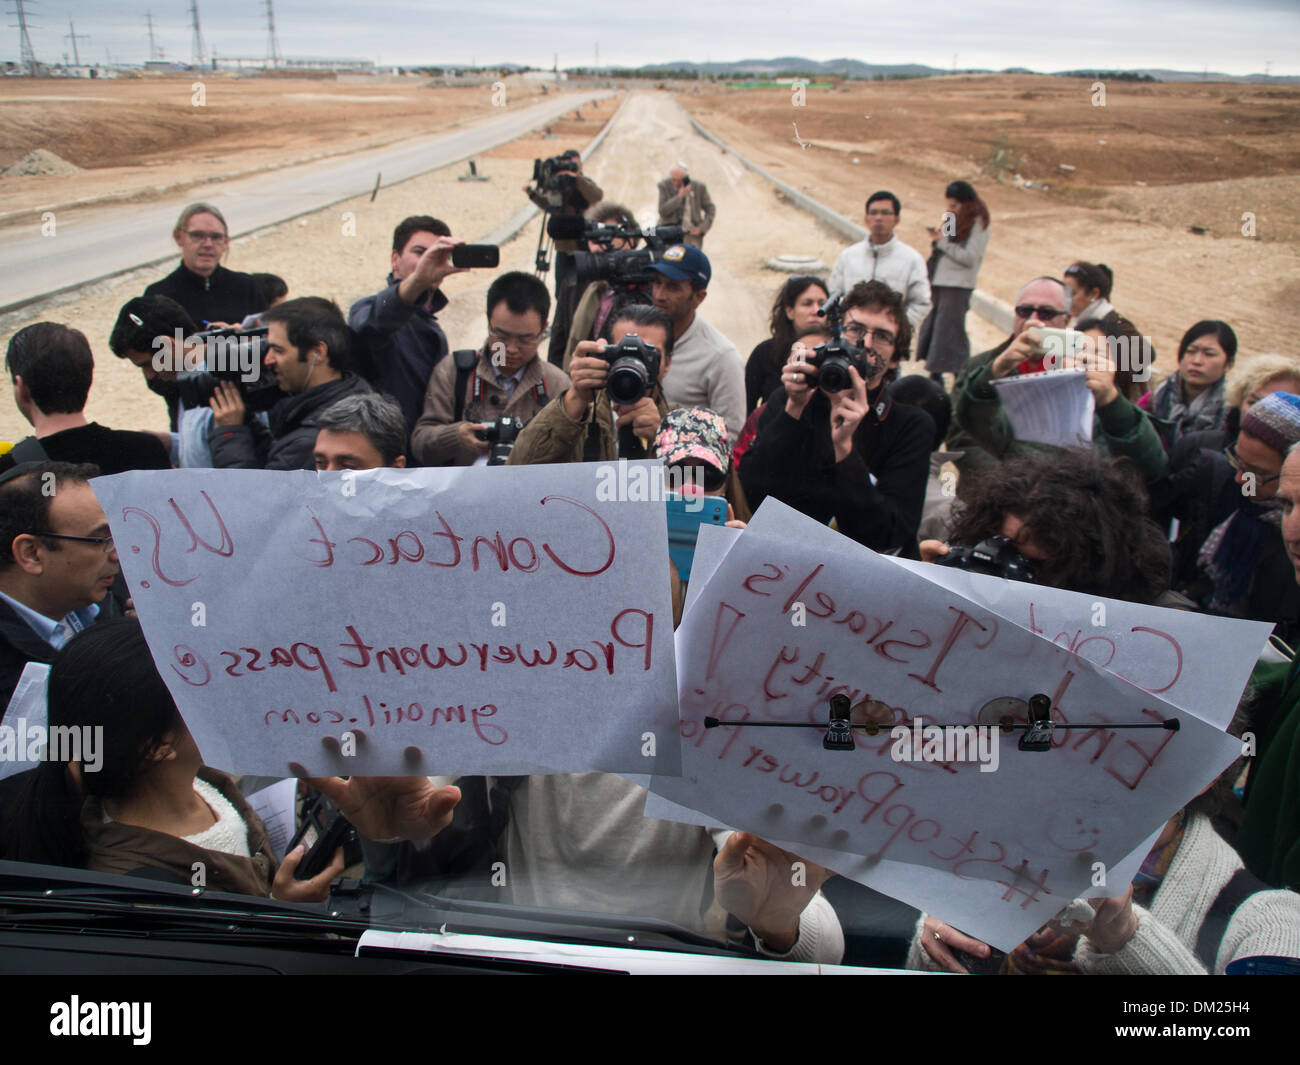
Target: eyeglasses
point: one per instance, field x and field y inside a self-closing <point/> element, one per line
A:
<point x="200" y="237"/>
<point x="1234" y="460"/>
<point x="106" y="542"/>
<point x="858" y="333"/>
<point x="1028" y="310"/>
<point x="523" y="340"/>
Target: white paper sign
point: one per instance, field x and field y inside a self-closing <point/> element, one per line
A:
<point x="275" y="806"/>
<point x="1019" y="841"/>
<point x="25" y="714"/>
<point x="500" y="620"/>
<point x="1054" y="407"/>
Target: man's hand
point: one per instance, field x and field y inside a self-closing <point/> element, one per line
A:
<point x="1023" y="349"/>
<point x="434" y="265"/>
<point x="466" y="434"/>
<point x="695" y="231"/>
<point x="643" y="416"/>
<point x="227" y="405"/>
<point x="795" y="378"/>
<point x="288" y="889"/>
<point x="932" y="550"/>
<point x="587" y="374"/>
<point x="766" y="888"/>
<point x="384" y="807"/>
<point x="939" y="940"/>
<point x="847" y="411"/>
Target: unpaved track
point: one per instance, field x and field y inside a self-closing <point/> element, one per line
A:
<point x="315" y="258"/>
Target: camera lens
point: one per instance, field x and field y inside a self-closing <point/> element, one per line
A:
<point x="627" y="381"/>
<point x="833" y="375"/>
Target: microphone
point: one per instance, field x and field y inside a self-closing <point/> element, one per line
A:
<point x="566" y="227"/>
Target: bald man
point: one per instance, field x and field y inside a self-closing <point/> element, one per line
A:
<point x="686" y="203"/>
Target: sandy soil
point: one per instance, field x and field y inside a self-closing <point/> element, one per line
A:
<point x="1166" y="276"/>
<point x="1207" y="154"/>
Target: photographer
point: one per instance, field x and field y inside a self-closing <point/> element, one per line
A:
<point x="1072" y="519"/>
<point x="399" y="340"/>
<point x="585" y="424"/>
<point x="853" y="454"/>
<point x="559" y="187"/>
<point x="210" y="294"/>
<point x="506" y="378"/>
<point x="685" y="203"/>
<point x="307" y="348"/>
<point x="599" y="297"/>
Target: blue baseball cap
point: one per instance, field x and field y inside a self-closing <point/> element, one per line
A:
<point x="683" y="262"/>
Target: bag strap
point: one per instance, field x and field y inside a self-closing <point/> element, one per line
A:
<point x="465" y="359"/>
<point x="29" y="449"/>
<point x="1237" y="890"/>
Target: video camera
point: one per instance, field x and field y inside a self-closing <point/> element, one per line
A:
<point x="834" y="358"/>
<point x="501" y="434"/>
<point x="628" y="271"/>
<point x="554" y="177"/>
<point x="633" y="369"/>
<point x="233" y="355"/>
<point x="995" y="555"/>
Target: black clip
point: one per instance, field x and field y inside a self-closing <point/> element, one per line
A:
<point x="1038" y="736"/>
<point x="839" y="736"/>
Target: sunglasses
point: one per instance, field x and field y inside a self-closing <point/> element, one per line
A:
<point x="1028" y="310"/>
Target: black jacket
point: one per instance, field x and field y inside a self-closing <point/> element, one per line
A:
<point x="112" y="450"/>
<point x="225" y="296"/>
<point x="795" y="462"/>
<point x="19" y="645"/>
<point x="292" y="438"/>
<point x="398" y="345"/>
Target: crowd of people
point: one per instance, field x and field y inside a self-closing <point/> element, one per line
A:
<point x="1186" y="497"/>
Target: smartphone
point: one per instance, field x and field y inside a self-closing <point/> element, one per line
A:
<point x="1058" y="345"/>
<point x="475" y="255"/>
<point x="686" y="180"/>
<point x="685" y="516"/>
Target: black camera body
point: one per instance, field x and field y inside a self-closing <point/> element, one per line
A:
<point x="995" y="555"/>
<point x="627" y="270"/>
<point x="236" y="356"/>
<point x="834" y="358"/>
<point x="554" y="177"/>
<point x="633" y="369"/>
<point x="501" y="434"/>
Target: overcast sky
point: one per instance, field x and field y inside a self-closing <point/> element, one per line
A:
<point x="1240" y="37"/>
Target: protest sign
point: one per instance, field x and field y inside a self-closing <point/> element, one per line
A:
<point x="498" y="620"/>
<point x="795" y="613"/>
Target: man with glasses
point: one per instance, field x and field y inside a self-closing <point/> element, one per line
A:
<point x="399" y="338"/>
<point x="212" y="295"/>
<point x="506" y="379"/>
<point x="57" y="563"/>
<point x="1045" y="301"/>
<point x="854" y="455"/>
<point x="883" y="257"/>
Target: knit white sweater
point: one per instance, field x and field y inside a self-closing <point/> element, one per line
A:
<point x="1267" y="923"/>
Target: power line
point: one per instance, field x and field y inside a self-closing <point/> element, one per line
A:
<point x="72" y="36"/>
<point x="154" y="54"/>
<point x="28" y="56"/>
<point x="197" y="53"/>
<point x="272" y="45"/>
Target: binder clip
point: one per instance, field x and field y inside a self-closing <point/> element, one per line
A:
<point x="839" y="736"/>
<point x="1038" y="735"/>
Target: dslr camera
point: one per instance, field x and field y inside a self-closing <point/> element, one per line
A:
<point x="554" y="176"/>
<point x="633" y="369"/>
<point x="234" y="355"/>
<point x="627" y="270"/>
<point x="834" y="358"/>
<point x="501" y="434"/>
<point x="995" y="555"/>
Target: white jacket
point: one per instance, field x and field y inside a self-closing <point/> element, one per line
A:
<point x="897" y="265"/>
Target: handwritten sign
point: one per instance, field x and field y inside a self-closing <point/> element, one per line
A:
<point x="1054" y="407"/>
<point x="1020" y="842"/>
<point x="502" y="620"/>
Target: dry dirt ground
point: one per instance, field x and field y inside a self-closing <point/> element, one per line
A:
<point x="919" y="136"/>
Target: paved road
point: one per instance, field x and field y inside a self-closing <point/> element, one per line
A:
<point x="90" y="244"/>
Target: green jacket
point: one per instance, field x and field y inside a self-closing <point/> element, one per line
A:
<point x="1269" y="838"/>
<point x="1119" y="428"/>
<point x="552" y="436"/>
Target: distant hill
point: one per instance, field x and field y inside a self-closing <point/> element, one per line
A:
<point x="856" y="68"/>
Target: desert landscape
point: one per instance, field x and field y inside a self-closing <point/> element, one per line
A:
<point x="1187" y="191"/>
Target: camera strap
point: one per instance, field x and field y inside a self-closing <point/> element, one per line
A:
<point x="465" y="360"/>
